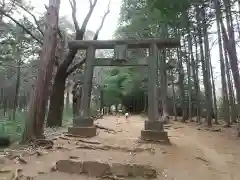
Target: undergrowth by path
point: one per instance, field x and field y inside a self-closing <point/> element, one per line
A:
<point x="14" y="128"/>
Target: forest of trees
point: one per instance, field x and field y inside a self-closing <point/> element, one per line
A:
<point x="36" y="70"/>
<point x="190" y="75"/>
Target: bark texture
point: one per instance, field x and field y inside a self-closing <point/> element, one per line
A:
<point x="37" y="109"/>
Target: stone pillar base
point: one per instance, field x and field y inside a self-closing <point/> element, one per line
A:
<point x="153" y="131"/>
<point x="153" y="135"/>
<point x="84" y="132"/>
<point x="153" y="125"/>
<point x="82" y="122"/>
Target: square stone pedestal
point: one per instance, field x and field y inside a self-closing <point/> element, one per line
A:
<point x="82" y="121"/>
<point x="84" y="132"/>
<point x="153" y="131"/>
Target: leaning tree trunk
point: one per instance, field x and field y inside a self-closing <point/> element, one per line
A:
<point x="229" y="44"/>
<point x="56" y="106"/>
<point x="36" y="114"/>
<point x="64" y="66"/>
<point x="231" y="92"/>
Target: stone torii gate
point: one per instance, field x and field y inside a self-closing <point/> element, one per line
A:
<point x="153" y="128"/>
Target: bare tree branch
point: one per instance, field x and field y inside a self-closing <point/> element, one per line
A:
<point x="82" y="61"/>
<point x="33" y="16"/>
<point x="76" y="66"/>
<point x="20" y="25"/>
<point x="87" y="18"/>
<point x="79" y="33"/>
<point x="3" y="4"/>
<point x="90" y="2"/>
<point x="102" y="22"/>
<point x="74" y="11"/>
<point x="2" y="7"/>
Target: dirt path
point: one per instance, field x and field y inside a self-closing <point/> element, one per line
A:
<point x="194" y="154"/>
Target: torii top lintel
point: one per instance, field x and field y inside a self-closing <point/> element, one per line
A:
<point x="131" y="43"/>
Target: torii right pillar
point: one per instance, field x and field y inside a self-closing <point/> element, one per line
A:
<point x="153" y="127"/>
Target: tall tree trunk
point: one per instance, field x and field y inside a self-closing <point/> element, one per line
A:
<point x="207" y="76"/>
<point x="56" y="106"/>
<point x="174" y="96"/>
<point x="223" y="67"/>
<point x="196" y="80"/>
<point x="231" y="92"/>
<point x="205" y="64"/>
<point x="5" y="106"/>
<point x="181" y="86"/>
<point x="36" y="114"/>
<point x="64" y="66"/>
<point x="229" y="44"/>
<point x="215" y="111"/>
<point x="188" y="61"/>
<point x="238" y="26"/>
<point x="238" y="6"/>
<point x="15" y="102"/>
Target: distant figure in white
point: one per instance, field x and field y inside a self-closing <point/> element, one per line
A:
<point x="126" y="115"/>
<point x="113" y="110"/>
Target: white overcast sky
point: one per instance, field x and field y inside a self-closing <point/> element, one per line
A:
<point x="82" y="9"/>
<point x="111" y="23"/>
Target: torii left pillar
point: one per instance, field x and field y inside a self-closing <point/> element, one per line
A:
<point x="83" y="124"/>
<point x="153" y="128"/>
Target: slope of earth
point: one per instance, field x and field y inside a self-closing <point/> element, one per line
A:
<point x="194" y="154"/>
